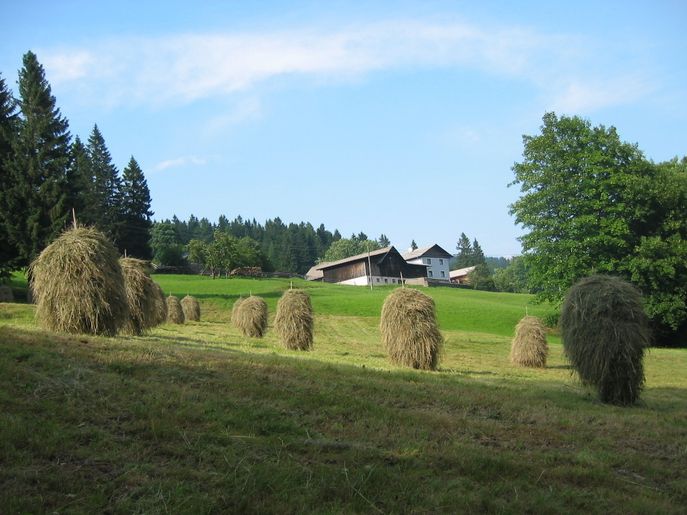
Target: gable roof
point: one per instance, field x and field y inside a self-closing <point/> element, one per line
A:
<point x="417" y="253"/>
<point x="461" y="272"/>
<point x="380" y="252"/>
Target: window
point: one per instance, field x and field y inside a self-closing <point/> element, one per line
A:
<point x="429" y="273"/>
<point x="441" y="261"/>
<point x="443" y="274"/>
<point x="429" y="261"/>
<point x="377" y="279"/>
<point x="386" y="280"/>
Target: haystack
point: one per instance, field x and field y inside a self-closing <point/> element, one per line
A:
<point x="235" y="312"/>
<point x="605" y="331"/>
<point x="251" y="317"/>
<point x="294" y="320"/>
<point x="191" y="309"/>
<point x="140" y="294"/>
<point x="78" y="285"/>
<point x="160" y="305"/>
<point x="175" y="314"/>
<point x="409" y="329"/>
<point x="529" y="347"/>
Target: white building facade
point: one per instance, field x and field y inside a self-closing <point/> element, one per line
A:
<point x="434" y="258"/>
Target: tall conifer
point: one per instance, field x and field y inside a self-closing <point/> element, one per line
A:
<point x="106" y="186"/>
<point x="9" y="120"/>
<point x="135" y="231"/>
<point x="36" y="195"/>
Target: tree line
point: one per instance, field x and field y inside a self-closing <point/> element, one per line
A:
<point x="47" y="180"/>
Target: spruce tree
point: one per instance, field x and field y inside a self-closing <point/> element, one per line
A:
<point x="464" y="248"/>
<point x="135" y="230"/>
<point x="106" y="186"/>
<point x="80" y="184"/>
<point x="36" y="197"/>
<point x="478" y="257"/>
<point x="9" y="122"/>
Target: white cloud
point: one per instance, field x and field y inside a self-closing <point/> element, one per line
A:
<point x="179" y="162"/>
<point x="587" y="95"/>
<point x="181" y="69"/>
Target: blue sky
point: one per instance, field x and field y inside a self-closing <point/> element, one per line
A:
<point x="401" y="118"/>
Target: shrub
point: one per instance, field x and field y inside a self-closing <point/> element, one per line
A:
<point x="409" y="329"/>
<point x="78" y="285"/>
<point x="294" y="320"/>
<point x="529" y="347"/>
<point x="251" y="317"/>
<point x="191" y="309"/>
<point x="605" y="331"/>
<point x="175" y="314"/>
<point x="140" y="295"/>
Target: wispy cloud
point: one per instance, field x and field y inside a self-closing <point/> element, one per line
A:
<point x="182" y="69"/>
<point x="179" y="162"/>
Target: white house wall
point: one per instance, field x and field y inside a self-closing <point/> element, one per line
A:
<point x="376" y="281"/>
<point x="435" y="266"/>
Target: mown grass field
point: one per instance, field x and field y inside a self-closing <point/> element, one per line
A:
<point x="198" y="419"/>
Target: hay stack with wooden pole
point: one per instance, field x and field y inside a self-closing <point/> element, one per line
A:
<point x="251" y="317"/>
<point x="175" y="314"/>
<point x="160" y="305"/>
<point x="191" y="308"/>
<point x="78" y="285"/>
<point x="409" y="329"/>
<point x="141" y="296"/>
<point x="529" y="347"/>
<point x="294" y="320"/>
<point x="605" y="331"/>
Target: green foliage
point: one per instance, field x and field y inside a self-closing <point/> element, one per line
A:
<point x="344" y="248"/>
<point x="134" y="234"/>
<point x="35" y="193"/>
<point x="593" y="204"/>
<point x="481" y="278"/>
<point x="166" y="247"/>
<point x="106" y="194"/>
<point x="413" y="245"/>
<point x="512" y="278"/>
<point x="9" y="125"/>
<point x="469" y="254"/>
<point x="605" y="331"/>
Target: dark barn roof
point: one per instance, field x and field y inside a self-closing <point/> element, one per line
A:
<point x="431" y="251"/>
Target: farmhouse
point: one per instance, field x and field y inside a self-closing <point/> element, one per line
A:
<point x="383" y="266"/>
<point x="434" y="258"/>
<point x="460" y="276"/>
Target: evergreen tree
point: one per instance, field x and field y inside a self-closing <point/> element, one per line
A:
<point x="9" y="123"/>
<point x="413" y="245"/>
<point x="106" y="186"/>
<point x="36" y="195"/>
<point x="135" y="230"/>
<point x="384" y="241"/>
<point x="477" y="254"/>
<point x="464" y="257"/>
<point x="80" y="184"/>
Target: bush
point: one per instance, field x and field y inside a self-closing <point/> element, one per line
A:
<point x="409" y="329"/>
<point x="605" y="331"/>
<point x="78" y="285"/>
<point x="294" y="320"/>
<point x="250" y="317"/>
<point x="529" y="347"/>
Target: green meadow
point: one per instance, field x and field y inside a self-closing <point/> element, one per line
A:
<point x="196" y="418"/>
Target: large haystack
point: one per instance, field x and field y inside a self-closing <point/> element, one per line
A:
<point x="409" y="329"/>
<point x="191" y="308"/>
<point x="140" y="294"/>
<point x="529" y="347"/>
<point x="78" y="285"/>
<point x="175" y="314"/>
<point x="294" y="320"/>
<point x="160" y="305"/>
<point x="251" y="317"/>
<point x="605" y="331"/>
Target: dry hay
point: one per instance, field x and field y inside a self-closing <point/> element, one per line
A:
<point x="409" y="329"/>
<point x="78" y="285"/>
<point x="141" y="296"/>
<point x="175" y="314"/>
<point x="294" y="320"/>
<point x="191" y="309"/>
<point x="235" y="312"/>
<point x="160" y="304"/>
<point x="251" y="317"/>
<point x="529" y="347"/>
<point x="605" y="331"/>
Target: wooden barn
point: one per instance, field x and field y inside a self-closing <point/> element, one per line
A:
<point x="383" y="266"/>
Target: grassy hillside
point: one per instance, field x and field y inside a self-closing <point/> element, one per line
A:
<point x="198" y="419"/>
